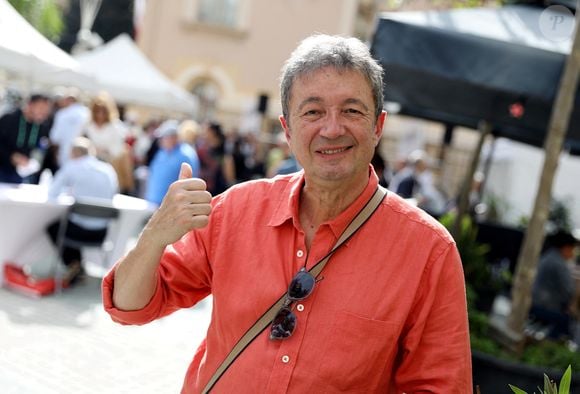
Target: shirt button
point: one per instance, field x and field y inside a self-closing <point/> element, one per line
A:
<point x="300" y="253"/>
<point x="285" y="359"/>
<point x="300" y="307"/>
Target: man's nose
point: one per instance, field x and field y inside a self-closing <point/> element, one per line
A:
<point x="333" y="126"/>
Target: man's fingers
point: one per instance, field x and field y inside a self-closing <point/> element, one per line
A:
<point x="185" y="171"/>
<point x="199" y="221"/>
<point x="192" y="184"/>
<point x="200" y="209"/>
<point x="198" y="197"/>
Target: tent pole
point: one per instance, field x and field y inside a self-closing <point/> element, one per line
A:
<point x="484" y="128"/>
<point x="487" y="164"/>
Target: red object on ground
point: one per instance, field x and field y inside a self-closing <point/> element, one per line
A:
<point x="16" y="278"/>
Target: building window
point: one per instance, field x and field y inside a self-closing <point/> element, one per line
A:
<point x="219" y="12"/>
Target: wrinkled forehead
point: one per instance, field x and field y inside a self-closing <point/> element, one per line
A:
<point x="304" y="83"/>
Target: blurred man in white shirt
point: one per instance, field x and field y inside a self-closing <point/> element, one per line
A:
<point x="69" y="122"/>
<point x="82" y="176"/>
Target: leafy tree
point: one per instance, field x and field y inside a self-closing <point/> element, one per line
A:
<point x="44" y="15"/>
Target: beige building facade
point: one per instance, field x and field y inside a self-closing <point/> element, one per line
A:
<point x="229" y="52"/>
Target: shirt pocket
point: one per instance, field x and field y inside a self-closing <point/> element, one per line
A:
<point x="357" y="354"/>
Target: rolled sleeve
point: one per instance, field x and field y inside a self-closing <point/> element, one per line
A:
<point x="142" y="316"/>
<point x="183" y="279"/>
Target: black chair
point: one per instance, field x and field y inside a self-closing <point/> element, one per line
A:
<point x="90" y="208"/>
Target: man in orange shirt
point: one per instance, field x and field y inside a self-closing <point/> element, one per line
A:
<point x="387" y="313"/>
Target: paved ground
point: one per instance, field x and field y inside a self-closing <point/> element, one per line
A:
<point x="67" y="344"/>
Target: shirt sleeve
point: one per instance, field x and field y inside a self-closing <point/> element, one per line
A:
<point x="58" y="129"/>
<point x="59" y="182"/>
<point x="436" y="355"/>
<point x="183" y="279"/>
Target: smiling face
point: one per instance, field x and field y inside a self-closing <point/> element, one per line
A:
<point x="331" y="126"/>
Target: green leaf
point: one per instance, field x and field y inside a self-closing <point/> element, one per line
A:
<point x="517" y="390"/>
<point x="565" y="382"/>
<point x="549" y="386"/>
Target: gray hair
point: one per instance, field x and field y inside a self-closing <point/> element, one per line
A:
<point x="321" y="50"/>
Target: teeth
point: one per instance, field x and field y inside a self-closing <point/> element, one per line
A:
<point x="331" y="151"/>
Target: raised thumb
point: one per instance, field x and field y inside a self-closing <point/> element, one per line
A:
<point x="185" y="171"/>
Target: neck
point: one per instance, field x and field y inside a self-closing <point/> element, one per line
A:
<point x="319" y="204"/>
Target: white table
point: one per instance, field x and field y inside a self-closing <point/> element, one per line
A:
<point x="25" y="212"/>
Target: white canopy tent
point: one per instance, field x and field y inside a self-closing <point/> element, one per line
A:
<point x="125" y="72"/>
<point x="28" y="57"/>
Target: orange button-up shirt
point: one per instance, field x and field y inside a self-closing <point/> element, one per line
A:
<point x="389" y="314"/>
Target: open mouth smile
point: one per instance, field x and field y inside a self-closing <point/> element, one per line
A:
<point x="333" y="151"/>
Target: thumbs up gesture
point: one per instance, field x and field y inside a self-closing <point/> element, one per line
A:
<point x="186" y="206"/>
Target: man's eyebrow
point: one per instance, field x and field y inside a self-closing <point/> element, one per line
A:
<point x="309" y="100"/>
<point x="316" y="99"/>
<point x="357" y="102"/>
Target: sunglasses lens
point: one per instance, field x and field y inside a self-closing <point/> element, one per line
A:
<point x="283" y="324"/>
<point x="301" y="286"/>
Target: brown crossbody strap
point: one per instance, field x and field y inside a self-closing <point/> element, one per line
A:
<point x="263" y="322"/>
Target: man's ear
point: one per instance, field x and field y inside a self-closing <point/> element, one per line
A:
<point x="285" y="126"/>
<point x="379" y="125"/>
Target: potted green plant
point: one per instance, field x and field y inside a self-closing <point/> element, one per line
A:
<point x="478" y="272"/>
<point x="550" y="386"/>
<point x="494" y="368"/>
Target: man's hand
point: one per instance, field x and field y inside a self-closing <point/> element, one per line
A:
<point x="186" y="206"/>
<point x="18" y="159"/>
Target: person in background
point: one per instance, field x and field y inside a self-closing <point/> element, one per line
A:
<point x="381" y="167"/>
<point x="427" y="195"/>
<point x="282" y="160"/>
<point x="144" y="148"/>
<point x="107" y="132"/>
<point x="24" y="139"/>
<point x="387" y="314"/>
<point x="402" y="174"/>
<point x="83" y="175"/>
<point x="245" y="152"/>
<point x="69" y="123"/>
<point x="165" y="166"/>
<point x="145" y="145"/>
<point x="217" y="165"/>
<point x="554" y="286"/>
<point x="189" y="132"/>
<point x="416" y="181"/>
<point x="277" y="151"/>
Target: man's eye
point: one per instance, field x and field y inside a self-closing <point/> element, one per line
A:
<point x="352" y="111"/>
<point x="311" y="112"/>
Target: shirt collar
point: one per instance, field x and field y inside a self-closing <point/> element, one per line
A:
<point x="290" y="201"/>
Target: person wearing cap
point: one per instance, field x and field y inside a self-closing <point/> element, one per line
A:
<point x="554" y="287"/>
<point x="165" y="166"/>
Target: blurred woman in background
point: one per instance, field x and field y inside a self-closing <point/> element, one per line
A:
<point x="107" y="132"/>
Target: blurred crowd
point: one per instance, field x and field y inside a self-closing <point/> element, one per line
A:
<point x="36" y="139"/>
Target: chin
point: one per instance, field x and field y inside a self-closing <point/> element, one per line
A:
<point x="334" y="175"/>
